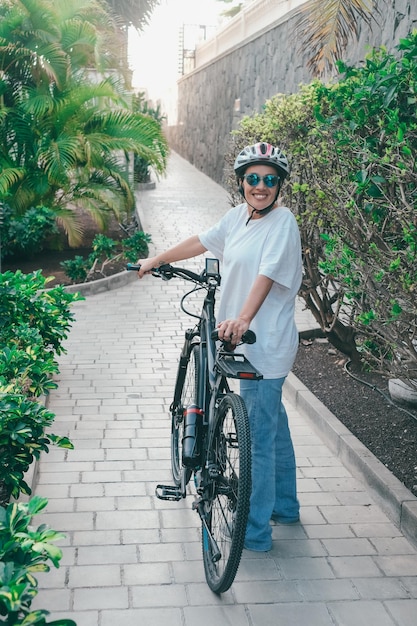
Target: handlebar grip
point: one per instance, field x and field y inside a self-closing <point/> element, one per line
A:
<point x="247" y="337"/>
<point x="133" y="266"/>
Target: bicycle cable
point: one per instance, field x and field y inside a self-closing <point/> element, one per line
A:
<point x="193" y="290"/>
<point x="375" y="388"/>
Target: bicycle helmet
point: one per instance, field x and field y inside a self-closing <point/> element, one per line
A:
<point x="262" y="153"/>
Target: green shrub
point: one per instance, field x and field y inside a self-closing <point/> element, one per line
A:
<point x="30" y="369"/>
<point x="23" y="422"/>
<point x="105" y="251"/>
<point x="26" y="234"/>
<point x="33" y="325"/>
<point x="24" y="551"/>
<point x="24" y="303"/>
<point x="136" y="246"/>
<point x="76" y="269"/>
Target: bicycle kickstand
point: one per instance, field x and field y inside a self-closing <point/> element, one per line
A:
<point x="198" y="506"/>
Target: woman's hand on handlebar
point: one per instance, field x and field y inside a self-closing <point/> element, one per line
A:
<point x="146" y="266"/>
<point x="232" y="330"/>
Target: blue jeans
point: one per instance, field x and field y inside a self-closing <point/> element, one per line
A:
<point x="274" y="490"/>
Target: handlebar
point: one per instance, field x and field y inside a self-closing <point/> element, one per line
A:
<point x="166" y="272"/>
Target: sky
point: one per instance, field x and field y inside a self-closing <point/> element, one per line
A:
<point x="153" y="53"/>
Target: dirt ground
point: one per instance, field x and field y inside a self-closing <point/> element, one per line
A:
<point x="389" y="432"/>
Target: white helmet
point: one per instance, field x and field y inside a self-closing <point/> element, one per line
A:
<point x="262" y="153"/>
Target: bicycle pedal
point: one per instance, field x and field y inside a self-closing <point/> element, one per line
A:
<point x="168" y="492"/>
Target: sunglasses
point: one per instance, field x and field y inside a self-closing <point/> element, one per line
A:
<point x="254" y="179"/>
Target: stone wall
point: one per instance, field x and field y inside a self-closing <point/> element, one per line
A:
<point x="213" y="98"/>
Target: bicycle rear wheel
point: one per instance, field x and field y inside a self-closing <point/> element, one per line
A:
<point x="185" y="393"/>
<point x="226" y="508"/>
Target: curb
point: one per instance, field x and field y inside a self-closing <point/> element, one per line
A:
<point x="399" y="504"/>
<point x="102" y="284"/>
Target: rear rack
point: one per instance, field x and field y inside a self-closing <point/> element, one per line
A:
<point x="236" y="366"/>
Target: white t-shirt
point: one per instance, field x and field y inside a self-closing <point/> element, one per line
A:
<point x="269" y="246"/>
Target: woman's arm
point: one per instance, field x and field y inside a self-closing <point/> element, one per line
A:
<point x="185" y="250"/>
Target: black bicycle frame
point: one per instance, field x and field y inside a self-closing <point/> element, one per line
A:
<point x="207" y="351"/>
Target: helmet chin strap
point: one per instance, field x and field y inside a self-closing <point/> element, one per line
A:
<point x="261" y="211"/>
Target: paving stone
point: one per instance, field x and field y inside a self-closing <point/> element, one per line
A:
<point x="134" y="617"/>
<point x="54" y="599"/>
<point x="107" y="555"/>
<point x="362" y="613"/>
<point x="354" y="547"/>
<point x="381" y="588"/>
<point x="400" y="565"/>
<point x="94" y="576"/>
<point x="162" y="553"/>
<point x="313" y="614"/>
<point x="267" y="593"/>
<point x="404" y="611"/>
<point x="225" y="615"/>
<point x="81" y="618"/>
<point x="327" y="590"/>
<point x="147" y="574"/>
<point x="126" y="519"/>
<point x="96" y="537"/>
<point x="297" y="548"/>
<point x="101" y="598"/>
<point x="305" y="568"/>
<point x="159" y="596"/>
<point x="351" y="566"/>
<point x="329" y="531"/>
<point x="410" y="583"/>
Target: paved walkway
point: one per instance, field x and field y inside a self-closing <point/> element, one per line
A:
<point x="131" y="559"/>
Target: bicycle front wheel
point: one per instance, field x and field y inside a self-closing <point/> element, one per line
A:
<point x="185" y="393"/>
<point x="226" y="508"/>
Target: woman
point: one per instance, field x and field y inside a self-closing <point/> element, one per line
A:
<point x="258" y="243"/>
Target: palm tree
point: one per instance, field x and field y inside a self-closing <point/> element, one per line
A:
<point x="61" y="136"/>
<point x="71" y="155"/>
<point x="326" y="27"/>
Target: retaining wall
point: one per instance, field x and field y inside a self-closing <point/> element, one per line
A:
<point x="213" y="98"/>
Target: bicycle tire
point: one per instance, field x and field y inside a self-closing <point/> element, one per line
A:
<point x="186" y="392"/>
<point x="226" y="509"/>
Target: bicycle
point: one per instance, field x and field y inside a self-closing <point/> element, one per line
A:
<point x="210" y="437"/>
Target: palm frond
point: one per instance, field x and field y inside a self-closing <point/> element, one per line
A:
<point x="134" y="12"/>
<point x="327" y="26"/>
<point x="79" y="39"/>
<point x="10" y="176"/>
<point x="134" y="132"/>
<point x="59" y="157"/>
<point x="100" y="204"/>
<point x="69" y="220"/>
<point x="38" y="104"/>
